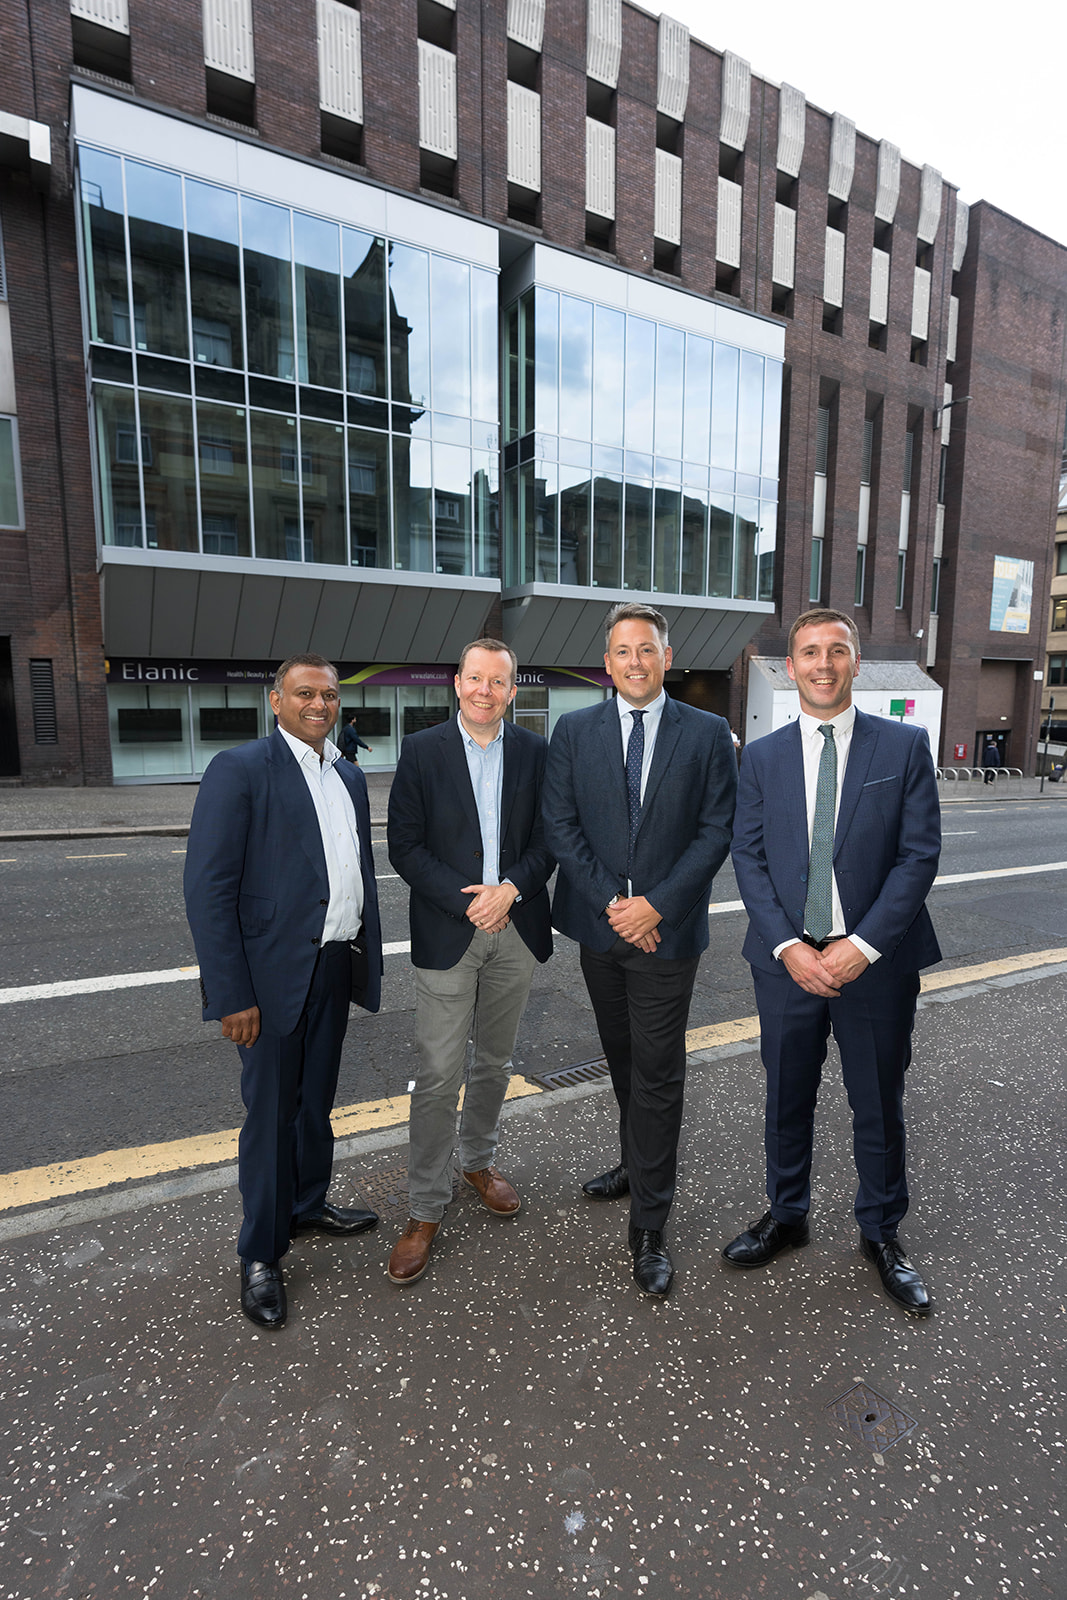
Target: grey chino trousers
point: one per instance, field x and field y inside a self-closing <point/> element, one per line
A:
<point x="480" y="1000"/>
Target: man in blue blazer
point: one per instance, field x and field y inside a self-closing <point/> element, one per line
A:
<point x="639" y="797"/>
<point x="465" y="834"/>
<point x="836" y="844"/>
<point x="282" y="902"/>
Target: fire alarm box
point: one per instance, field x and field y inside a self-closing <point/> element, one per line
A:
<point x="959" y="752"/>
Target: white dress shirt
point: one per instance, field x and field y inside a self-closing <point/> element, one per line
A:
<point x="340" y="838"/>
<point x="811" y="744"/>
<point x="653" y="718"/>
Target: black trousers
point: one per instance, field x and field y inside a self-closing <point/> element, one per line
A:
<point x="288" y="1083"/>
<point x="641" y="1005"/>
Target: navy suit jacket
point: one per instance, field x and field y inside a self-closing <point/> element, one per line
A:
<point x="256" y="885"/>
<point x="435" y="840"/>
<point x="886" y="844"/>
<point x="684" y="830"/>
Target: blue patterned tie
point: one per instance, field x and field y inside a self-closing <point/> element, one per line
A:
<point x="819" y="906"/>
<point x="635" y="755"/>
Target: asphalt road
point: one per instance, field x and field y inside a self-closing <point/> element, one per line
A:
<point x="123" y="1067"/>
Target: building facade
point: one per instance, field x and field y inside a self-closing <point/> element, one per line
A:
<point x="364" y="329"/>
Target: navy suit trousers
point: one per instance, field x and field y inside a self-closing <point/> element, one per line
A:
<point x="288" y="1083"/>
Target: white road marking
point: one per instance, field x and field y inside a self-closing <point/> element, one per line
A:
<point x="956" y="833"/>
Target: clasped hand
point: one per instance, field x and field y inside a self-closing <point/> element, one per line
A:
<point x="491" y="904"/>
<point x="634" y="919"/>
<point x="824" y="972"/>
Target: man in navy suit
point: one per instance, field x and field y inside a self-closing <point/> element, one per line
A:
<point x="283" y="907"/>
<point x="639" y="797"/>
<point x="465" y="834"/>
<point x="836" y="845"/>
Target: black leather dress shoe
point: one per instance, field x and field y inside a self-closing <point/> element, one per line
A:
<point x="609" y="1186"/>
<point x="263" y="1293"/>
<point x="899" y="1278"/>
<point x="336" y="1220"/>
<point x="765" y="1240"/>
<point x="653" y="1267"/>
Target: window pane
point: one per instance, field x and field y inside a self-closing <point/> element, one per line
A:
<point x="452" y="508"/>
<point x="214" y="275"/>
<point x="745" y="567"/>
<point x="1059" y="615"/>
<point x="105" y="247"/>
<point x="512" y="529"/>
<point x="772" y="418"/>
<point x="640" y="382"/>
<point x="724" y="408"/>
<point x="637" y="547"/>
<point x="527" y="362"/>
<point x="224" y="507"/>
<point x="768" y="539"/>
<point x="9" y="484"/>
<point x="575" y="499"/>
<point x="750" y="413"/>
<point x="546" y="500"/>
<point x="527" y="540"/>
<point x="412" y="524"/>
<point x="670" y="359"/>
<point x="116" y="446"/>
<point x="721" y="565"/>
<point x="322" y="474"/>
<point x="609" y="334"/>
<point x="450" y="319"/>
<point x="368" y="497"/>
<point x="268" y="288"/>
<point x="607" y="531"/>
<point x="698" y="354"/>
<point x="511" y="373"/>
<point x="409" y="326"/>
<point x="275" y="487"/>
<point x="576" y="368"/>
<point x="169" y="476"/>
<point x="694" y="542"/>
<point x="157" y="259"/>
<point x="485" y="323"/>
<point x="318" y="300"/>
<point x="667" y="544"/>
<point x="364" y="283"/>
<point x="486" y="483"/>
<point x="546" y="363"/>
<point x="1061" y="560"/>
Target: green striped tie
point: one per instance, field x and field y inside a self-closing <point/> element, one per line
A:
<point x="819" y="906"/>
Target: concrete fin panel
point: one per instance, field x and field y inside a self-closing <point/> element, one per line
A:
<point x="842" y="156"/>
<point x="792" y="117"/>
<point x="736" y="100"/>
<point x="672" y="90"/>
<point x="888" y="192"/>
<point x="604" y="41"/>
<point x="929" y="204"/>
<point x="959" y="243"/>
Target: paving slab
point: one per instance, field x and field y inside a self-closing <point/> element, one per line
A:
<point x="522" y="1422"/>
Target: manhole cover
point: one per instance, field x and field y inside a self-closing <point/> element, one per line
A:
<point x="385" y="1190"/>
<point x="567" y="1077"/>
<point x="871" y="1418"/>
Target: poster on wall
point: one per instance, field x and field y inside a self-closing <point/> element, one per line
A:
<point x="1013" y="593"/>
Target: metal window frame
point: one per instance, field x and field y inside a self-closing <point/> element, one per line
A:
<point x="20" y="504"/>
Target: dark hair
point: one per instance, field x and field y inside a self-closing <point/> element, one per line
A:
<point x="309" y="660"/>
<point x="489" y="644"/>
<point x="820" y="614"/>
<point x="635" y="611"/>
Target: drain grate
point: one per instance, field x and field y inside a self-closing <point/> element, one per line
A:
<point x="871" y="1418"/>
<point x="567" y="1077"/>
<point x="385" y="1190"/>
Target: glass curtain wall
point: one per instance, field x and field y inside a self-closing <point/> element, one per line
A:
<point x="273" y="384"/>
<point x="637" y="455"/>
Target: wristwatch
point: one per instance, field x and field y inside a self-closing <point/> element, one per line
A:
<point x="612" y="902"/>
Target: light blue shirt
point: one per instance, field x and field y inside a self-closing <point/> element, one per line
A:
<point x="486" y="767"/>
<point x="340" y="837"/>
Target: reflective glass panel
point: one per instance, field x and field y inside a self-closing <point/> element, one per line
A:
<point x="670" y="362"/>
<point x="452" y="508"/>
<point x="545" y="511"/>
<point x="546" y="320"/>
<point x="607" y="531"/>
<point x="214" y="275"/>
<point x="667" y="547"/>
<point x="696" y="440"/>
<point x="527" y="541"/>
<point x="268" y="288"/>
<point x="694" y="542"/>
<point x="486" y="483"/>
<point x="745" y="562"/>
<point x="637" y="541"/>
<point x="409" y="325"/>
<point x="721" y="562"/>
<point x="157" y="259"/>
<point x="609" y="369"/>
<point x="276" y="487"/>
<point x="512" y="529"/>
<point x="323" y="472"/>
<point x="485" y="338"/>
<point x="169" y="472"/>
<point x="724" y="408"/>
<point x="527" y="363"/>
<point x="364" y="295"/>
<point x="224" y="509"/>
<point x="412" y="520"/>
<point x="318" y="301"/>
<point x="450" y="320"/>
<point x="368" y="497"/>
<point x="750" y="413"/>
<point x="511" y="373"/>
<point x="772" y="418"/>
<point x="105" y="247"/>
<point x="768" y="535"/>
<point x="640" y="382"/>
<point x="116" y="451"/>
<point x="575" y="502"/>
<point x="576" y="367"/>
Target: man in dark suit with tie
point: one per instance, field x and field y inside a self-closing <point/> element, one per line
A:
<point x="836" y="845"/>
<point x="639" y="797"/>
<point x="283" y="907"/>
<point x="465" y="833"/>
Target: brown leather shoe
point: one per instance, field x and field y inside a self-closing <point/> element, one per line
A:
<point x="496" y="1192"/>
<point x="411" y="1253"/>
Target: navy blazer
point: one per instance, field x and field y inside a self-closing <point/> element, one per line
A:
<point x="256" y="885"/>
<point x="435" y="840"/>
<point x="684" y="830"/>
<point x="886" y="844"/>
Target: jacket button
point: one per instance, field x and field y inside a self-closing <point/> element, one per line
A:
<point x="477" y="855"/>
<point x="324" y="902"/>
<point x="314" y="941"/>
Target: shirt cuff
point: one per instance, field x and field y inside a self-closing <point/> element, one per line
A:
<point x="866" y="949"/>
<point x="777" y="951"/>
